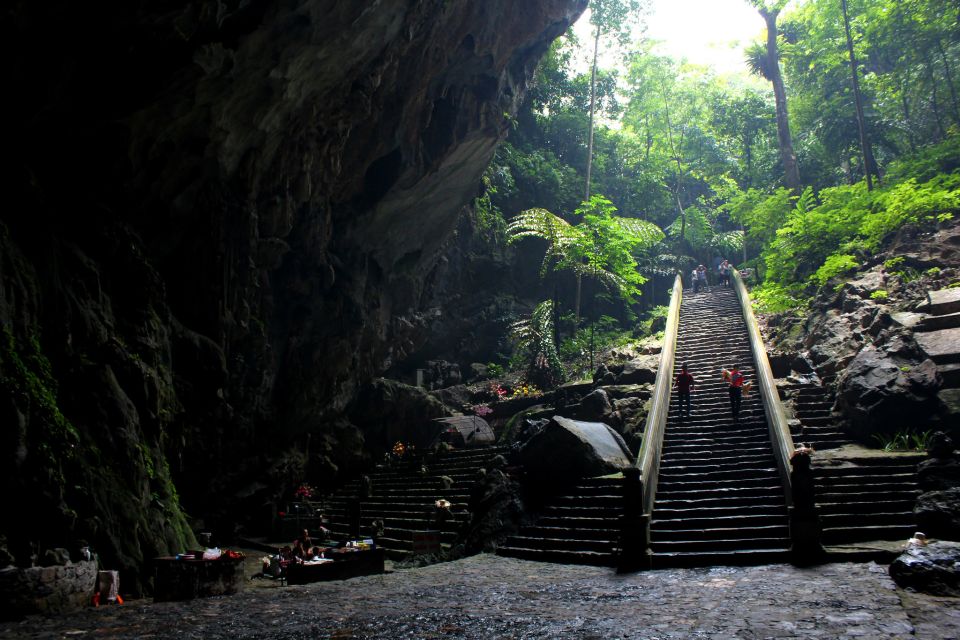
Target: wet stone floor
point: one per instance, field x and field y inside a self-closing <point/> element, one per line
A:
<point x="488" y="596"/>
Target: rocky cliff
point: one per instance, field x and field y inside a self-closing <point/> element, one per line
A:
<point x="226" y="216"/>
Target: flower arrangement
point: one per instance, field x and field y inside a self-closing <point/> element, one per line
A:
<point x="498" y="390"/>
<point x="482" y="410"/>
<point x="526" y="390"/>
<point x="304" y="492"/>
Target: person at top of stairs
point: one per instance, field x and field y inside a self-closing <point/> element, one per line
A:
<point x="736" y="379"/>
<point x="684" y="385"/>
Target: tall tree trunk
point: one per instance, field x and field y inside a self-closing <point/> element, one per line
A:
<point x="593" y="108"/>
<point x="676" y="156"/>
<point x="948" y="74"/>
<point x="905" y="105"/>
<point x="934" y="96"/>
<point x="869" y="165"/>
<point x="791" y="172"/>
<point x="586" y="187"/>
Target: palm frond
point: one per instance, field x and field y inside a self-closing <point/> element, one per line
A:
<point x="644" y="233"/>
<point x="728" y="242"/>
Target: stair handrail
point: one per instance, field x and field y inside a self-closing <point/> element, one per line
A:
<point x="777" y="422"/>
<point x="648" y="460"/>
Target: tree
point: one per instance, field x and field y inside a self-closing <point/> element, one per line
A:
<point x="602" y="247"/>
<point x="768" y="66"/>
<point x="615" y="17"/>
<point x="869" y="164"/>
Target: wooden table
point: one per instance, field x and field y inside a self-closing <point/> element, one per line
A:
<point x="349" y="564"/>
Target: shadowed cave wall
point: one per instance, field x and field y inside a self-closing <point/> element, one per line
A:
<point x="225" y="218"/>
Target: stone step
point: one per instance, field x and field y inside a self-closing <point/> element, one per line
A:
<point x="537" y="531"/>
<point x="740" y="557"/>
<point x="563" y="544"/>
<point x="728" y="522"/>
<point x="703" y="484"/>
<point x="781" y="531"/>
<point x="559" y="556"/>
<point x="736" y="501"/>
<point x="876" y="518"/>
<point x="950" y="373"/>
<point x="846" y="535"/>
<point x="941" y="302"/>
<point x="578" y="523"/>
<point x="879" y="502"/>
<point x="733" y="491"/>
<point x="732" y="544"/>
<point x="583" y="511"/>
<point x="933" y="323"/>
<point x="942" y="346"/>
<point x="893" y="494"/>
<point x="688" y="475"/>
<point x="719" y="457"/>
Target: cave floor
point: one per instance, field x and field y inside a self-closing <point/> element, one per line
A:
<point x="487" y="596"/>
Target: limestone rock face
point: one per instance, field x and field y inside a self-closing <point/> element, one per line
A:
<point x="884" y="390"/>
<point x="226" y="217"/>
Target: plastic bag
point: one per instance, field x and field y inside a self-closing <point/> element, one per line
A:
<point x="211" y="554"/>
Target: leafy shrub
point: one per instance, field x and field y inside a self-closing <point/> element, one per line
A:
<point x="906" y="440"/>
<point x="775" y="298"/>
<point x="834" y="266"/>
<point x="880" y="295"/>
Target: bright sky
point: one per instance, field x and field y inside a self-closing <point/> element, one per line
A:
<point x="707" y="32"/>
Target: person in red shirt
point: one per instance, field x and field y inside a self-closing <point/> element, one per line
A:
<point x="735" y="377"/>
<point x="684" y="385"/>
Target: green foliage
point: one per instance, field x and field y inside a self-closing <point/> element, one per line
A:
<point x="601" y="247"/>
<point x="880" y="295"/>
<point x="494" y="370"/>
<point x="771" y="297"/>
<point x="604" y="334"/>
<point x="534" y="341"/>
<point x="906" y="440"/>
<point x="490" y="220"/>
<point x="835" y="265"/>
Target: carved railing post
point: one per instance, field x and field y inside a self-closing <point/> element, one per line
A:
<point x="805" y="529"/>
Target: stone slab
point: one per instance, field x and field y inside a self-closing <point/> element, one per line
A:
<point x="947" y="321"/>
<point x="944" y="301"/>
<point x="908" y="319"/>
<point x="942" y="346"/>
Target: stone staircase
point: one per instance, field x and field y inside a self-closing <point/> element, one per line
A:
<point x="867" y="499"/>
<point x="582" y="526"/>
<point x="720" y="499"/>
<point x="403" y="493"/>
<point x="819" y="427"/>
<point x="937" y="331"/>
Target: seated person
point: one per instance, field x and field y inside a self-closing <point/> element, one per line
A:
<point x="302" y="545"/>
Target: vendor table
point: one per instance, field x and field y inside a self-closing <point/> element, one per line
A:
<point x="346" y="564"/>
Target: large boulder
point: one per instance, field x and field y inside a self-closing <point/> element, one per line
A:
<point x="565" y="450"/>
<point x="933" y="568"/>
<point x="595" y="406"/>
<point x="938" y="513"/>
<point x="885" y="391"/>
<point x="640" y="370"/>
